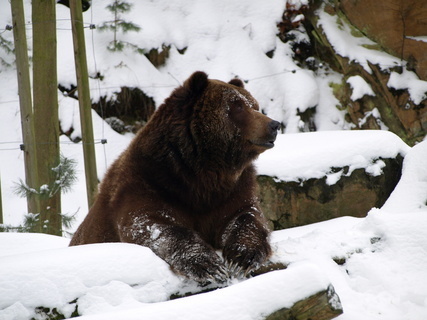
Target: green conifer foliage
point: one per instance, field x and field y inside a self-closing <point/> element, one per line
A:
<point x="65" y="174"/>
<point x="7" y="47"/>
<point x="119" y="25"/>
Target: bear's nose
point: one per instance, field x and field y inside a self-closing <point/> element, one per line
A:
<point x="274" y="126"/>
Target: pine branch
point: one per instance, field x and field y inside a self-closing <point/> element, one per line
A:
<point x="65" y="175"/>
<point x="30" y="222"/>
<point x="68" y="220"/>
<point x="128" y="26"/>
<point x="22" y="190"/>
<point x="119" y="7"/>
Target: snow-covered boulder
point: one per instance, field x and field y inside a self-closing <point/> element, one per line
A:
<point x="42" y="278"/>
<point x="312" y="177"/>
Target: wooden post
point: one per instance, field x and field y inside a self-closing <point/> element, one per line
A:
<point x="84" y="99"/>
<point x="25" y="102"/>
<point x="45" y="102"/>
<point x="1" y="205"/>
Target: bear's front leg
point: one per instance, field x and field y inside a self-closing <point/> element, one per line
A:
<point x="245" y="243"/>
<point x="189" y="255"/>
<point x="184" y="250"/>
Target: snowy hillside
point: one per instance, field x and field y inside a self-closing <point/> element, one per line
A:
<point x="382" y="267"/>
<point x="225" y="40"/>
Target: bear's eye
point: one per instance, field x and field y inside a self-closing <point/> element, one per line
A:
<point x="237" y="106"/>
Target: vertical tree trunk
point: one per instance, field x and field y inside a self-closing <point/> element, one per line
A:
<point x="25" y="102"/>
<point x="84" y="100"/>
<point x="45" y="97"/>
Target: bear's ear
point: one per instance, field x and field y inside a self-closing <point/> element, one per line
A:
<point x="237" y="82"/>
<point x="197" y="82"/>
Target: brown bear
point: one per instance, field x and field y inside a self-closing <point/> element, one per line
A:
<point x="186" y="186"/>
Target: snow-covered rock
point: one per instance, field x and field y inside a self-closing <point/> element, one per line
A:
<point x="312" y="177"/>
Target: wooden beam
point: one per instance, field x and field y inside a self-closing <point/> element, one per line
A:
<point x="45" y="106"/>
<point x="84" y="99"/>
<point x="25" y="102"/>
<point x="1" y="205"/>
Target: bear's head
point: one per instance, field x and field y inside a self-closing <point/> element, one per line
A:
<point x="217" y="122"/>
<point x="230" y="115"/>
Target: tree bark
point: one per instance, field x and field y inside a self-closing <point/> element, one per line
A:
<point x="45" y="97"/>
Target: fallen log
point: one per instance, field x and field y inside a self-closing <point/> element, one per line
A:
<point x="323" y="305"/>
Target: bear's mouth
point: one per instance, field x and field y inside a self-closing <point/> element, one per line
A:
<point x="265" y="144"/>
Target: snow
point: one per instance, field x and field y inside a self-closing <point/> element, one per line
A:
<point x="208" y="33"/>
<point x="385" y="270"/>
<point x="299" y="157"/>
<point x="356" y="48"/>
<point x="408" y="80"/>
<point x="419" y="38"/>
<point x="263" y="294"/>
<point x="328" y="115"/>
<point x="111" y="277"/>
<point x="382" y="275"/>
<point x="360" y="88"/>
<point x="410" y="193"/>
<point x="376" y="114"/>
<point x="28" y="243"/>
<point x="80" y="272"/>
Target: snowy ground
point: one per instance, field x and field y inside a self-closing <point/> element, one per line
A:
<point x="385" y="270"/>
<point x="383" y="276"/>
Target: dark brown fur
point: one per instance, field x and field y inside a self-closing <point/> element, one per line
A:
<point x="186" y="185"/>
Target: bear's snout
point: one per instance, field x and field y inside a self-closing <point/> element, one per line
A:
<point x="272" y="128"/>
<point x="265" y="134"/>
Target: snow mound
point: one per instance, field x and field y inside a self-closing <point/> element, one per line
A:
<point x="251" y="299"/>
<point x="19" y="243"/>
<point x="111" y="278"/>
<point x="302" y="156"/>
<point x="411" y="192"/>
<point x="101" y="276"/>
<point x="377" y="266"/>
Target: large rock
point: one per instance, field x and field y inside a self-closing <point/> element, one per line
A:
<point x="290" y="204"/>
<point x="313" y="177"/>
<point x="396" y="25"/>
<point x="399" y="47"/>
